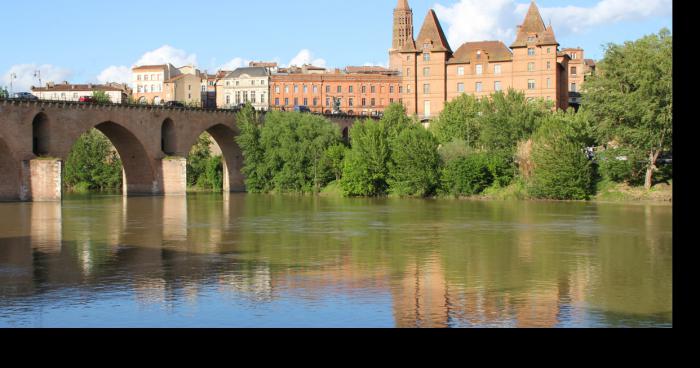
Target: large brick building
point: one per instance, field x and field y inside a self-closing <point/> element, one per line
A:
<point x="432" y="73"/>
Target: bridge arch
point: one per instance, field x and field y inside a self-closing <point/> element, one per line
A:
<point x="225" y="138"/>
<point x="168" y="137"/>
<point x="40" y="134"/>
<point x="9" y="174"/>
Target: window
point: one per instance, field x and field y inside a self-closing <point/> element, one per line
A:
<point x="238" y="83"/>
<point x="328" y="102"/>
<point x="296" y="89"/>
<point x="391" y="101"/>
<point x="238" y="98"/>
<point x="400" y="89"/>
<point x="315" y="101"/>
<point x="530" y="67"/>
<point x="391" y="89"/>
<point x="408" y="71"/>
<point x="531" y="39"/>
<point x="364" y="102"/>
<point x="145" y="77"/>
<point x="574" y="56"/>
<point x="426" y="72"/>
<point x="296" y="101"/>
<point x="408" y="88"/>
<point x="531" y="84"/>
<point x="351" y="102"/>
<point x="228" y="99"/>
<point x="139" y="89"/>
<point x="478" y="87"/>
<point x="573" y="87"/>
<point x="549" y="50"/>
<point x="286" y="101"/>
<point x="306" y="89"/>
<point x="497" y="86"/>
<point x="189" y="88"/>
<point x="277" y="101"/>
<point x="497" y="69"/>
<point x="315" y="88"/>
<point x="252" y="83"/>
<point x="478" y="55"/>
<point x="426" y="88"/>
<point x="426" y="56"/>
<point x="460" y="87"/>
<point x="286" y="89"/>
<point x="364" y="89"/>
<point x="306" y="101"/>
<point x="252" y="96"/>
<point x="245" y="96"/>
<point x="460" y="71"/>
<point x="549" y="82"/>
<point x="227" y="83"/>
<point x="531" y="52"/>
<point x="328" y="90"/>
<point x="549" y="65"/>
<point x="373" y="89"/>
<point x="277" y="89"/>
<point x="573" y="70"/>
<point x="372" y="102"/>
<point x="479" y="69"/>
<point x="204" y="88"/>
<point x="340" y="89"/>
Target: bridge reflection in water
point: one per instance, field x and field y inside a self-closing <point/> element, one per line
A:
<point x="239" y="260"/>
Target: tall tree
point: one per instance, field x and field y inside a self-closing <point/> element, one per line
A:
<point x="631" y="96"/>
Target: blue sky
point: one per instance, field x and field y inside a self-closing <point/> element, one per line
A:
<point x="91" y="41"/>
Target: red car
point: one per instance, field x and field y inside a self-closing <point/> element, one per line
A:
<point x="86" y="99"/>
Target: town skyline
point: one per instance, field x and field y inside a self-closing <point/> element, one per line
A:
<point x="577" y="24"/>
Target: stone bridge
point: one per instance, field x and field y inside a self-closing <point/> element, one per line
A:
<point x="152" y="141"/>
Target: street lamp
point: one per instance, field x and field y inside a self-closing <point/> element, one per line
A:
<point x="37" y="74"/>
<point x="12" y="77"/>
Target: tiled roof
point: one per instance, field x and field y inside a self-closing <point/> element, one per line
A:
<point x="432" y="31"/>
<point x="493" y="50"/>
<point x="251" y="71"/>
<point x="149" y="67"/>
<point x="533" y="25"/>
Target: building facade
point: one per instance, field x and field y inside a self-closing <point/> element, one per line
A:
<point x="433" y="74"/>
<point x="579" y="70"/>
<point x="73" y="92"/>
<point x="245" y="85"/>
<point x="351" y="91"/>
<point x="148" y="82"/>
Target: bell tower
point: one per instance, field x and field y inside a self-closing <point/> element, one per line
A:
<point x="403" y="33"/>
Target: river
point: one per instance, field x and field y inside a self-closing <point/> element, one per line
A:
<point x="213" y="260"/>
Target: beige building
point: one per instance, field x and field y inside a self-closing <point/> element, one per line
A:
<point x="244" y="85"/>
<point x="117" y="93"/>
<point x="156" y="84"/>
<point x="433" y="74"/>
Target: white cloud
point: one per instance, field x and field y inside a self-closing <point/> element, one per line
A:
<point x="167" y="54"/>
<point x="24" y="76"/>
<point x="118" y="74"/>
<point x="476" y="20"/>
<point x="306" y="57"/>
<point x="235" y="63"/>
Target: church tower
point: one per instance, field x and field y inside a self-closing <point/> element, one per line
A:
<point x="403" y="33"/>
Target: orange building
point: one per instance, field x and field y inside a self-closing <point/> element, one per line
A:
<point x="432" y="73"/>
<point x="363" y="91"/>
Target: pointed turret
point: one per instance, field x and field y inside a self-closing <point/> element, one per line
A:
<point x="432" y="32"/>
<point x="533" y="30"/>
<point x="402" y="5"/>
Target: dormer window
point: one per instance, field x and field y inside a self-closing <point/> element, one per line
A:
<point x="531" y="39"/>
<point x="478" y="54"/>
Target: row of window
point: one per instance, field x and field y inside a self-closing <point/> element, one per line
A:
<point x="145" y="77"/>
<point x="351" y="102"/>
<point x="242" y="97"/>
<point x="338" y="89"/>
<point x="252" y="83"/>
<point x="147" y="88"/>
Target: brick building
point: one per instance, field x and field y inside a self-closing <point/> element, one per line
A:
<point x="432" y="73"/>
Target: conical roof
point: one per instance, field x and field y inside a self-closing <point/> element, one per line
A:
<point x="533" y="25"/>
<point x="402" y="5"/>
<point x="432" y="31"/>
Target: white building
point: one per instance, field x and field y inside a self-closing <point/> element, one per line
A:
<point x="73" y="92"/>
<point x="245" y="85"/>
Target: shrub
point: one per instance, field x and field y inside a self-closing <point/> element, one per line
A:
<point x="366" y="166"/>
<point x="561" y="168"/>
<point x="501" y="167"/>
<point x="415" y="163"/>
<point x="466" y="176"/>
<point x="93" y="163"/>
<point x="622" y="165"/>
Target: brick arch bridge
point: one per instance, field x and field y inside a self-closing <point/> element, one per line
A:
<point x="153" y="143"/>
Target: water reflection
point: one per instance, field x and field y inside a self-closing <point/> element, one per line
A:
<point x="271" y="261"/>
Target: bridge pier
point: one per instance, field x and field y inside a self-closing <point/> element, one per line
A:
<point x="42" y="180"/>
<point x="174" y="170"/>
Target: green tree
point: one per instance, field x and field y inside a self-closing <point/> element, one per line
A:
<point x="93" y="163"/>
<point x="466" y="176"/>
<point x="415" y="163"/>
<point x="101" y="97"/>
<point x="366" y="167"/>
<point x="459" y="120"/>
<point x="395" y="119"/>
<point x="4" y="93"/>
<point x="335" y="155"/>
<point x="198" y="161"/>
<point x="561" y="168"/>
<point x="631" y="96"/>
<point x="257" y="177"/>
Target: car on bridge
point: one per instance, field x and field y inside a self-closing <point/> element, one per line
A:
<point x="25" y="96"/>
<point x="302" y="109"/>
<point x="174" y="104"/>
<point x="88" y="99"/>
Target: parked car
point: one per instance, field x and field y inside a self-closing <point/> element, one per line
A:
<point x="174" y="104"/>
<point x="88" y="99"/>
<point x="25" y="96"/>
<point x="301" y="109"/>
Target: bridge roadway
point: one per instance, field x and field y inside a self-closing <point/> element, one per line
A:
<point x="152" y="141"/>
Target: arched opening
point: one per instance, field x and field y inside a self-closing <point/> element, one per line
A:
<point x="142" y="100"/>
<point x="40" y="135"/>
<point x="9" y="177"/>
<point x="156" y="100"/>
<point x="110" y="157"/>
<point x="167" y="137"/>
<point x="215" y="161"/>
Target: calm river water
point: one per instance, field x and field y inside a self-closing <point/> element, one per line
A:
<point x="271" y="261"/>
